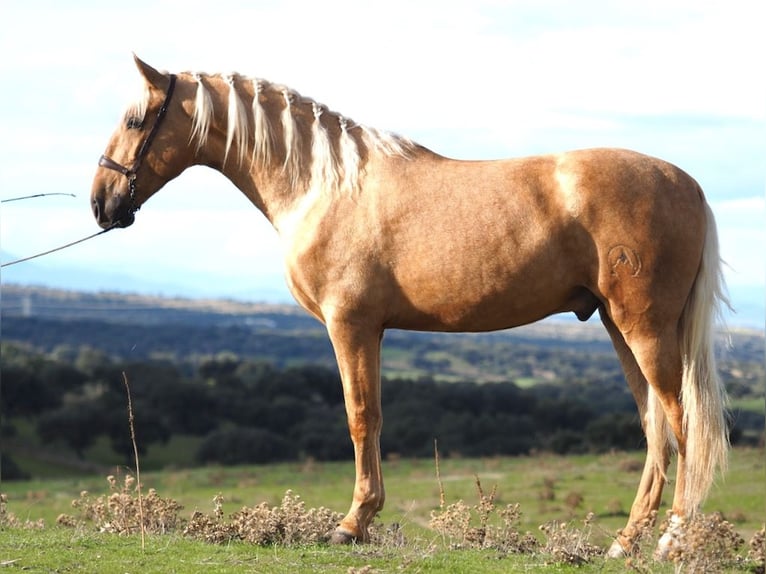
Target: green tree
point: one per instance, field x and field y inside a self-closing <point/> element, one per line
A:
<point x="243" y="445"/>
<point x="78" y="424"/>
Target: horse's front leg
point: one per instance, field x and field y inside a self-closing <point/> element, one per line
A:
<point x="357" y="350"/>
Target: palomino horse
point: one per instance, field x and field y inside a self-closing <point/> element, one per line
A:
<point x="382" y="233"/>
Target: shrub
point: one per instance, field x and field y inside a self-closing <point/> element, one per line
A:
<point x="243" y="445"/>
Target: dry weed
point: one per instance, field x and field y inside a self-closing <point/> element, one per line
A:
<point x="120" y="511"/>
<point x="569" y="545"/>
<point x="10" y="520"/>
<point x="290" y="523"/>
<point x="707" y="543"/>
<point x="645" y="539"/>
<point x="387" y="536"/>
<point x="757" y="552"/>
<point x="464" y="526"/>
<point x="507" y="537"/>
<point x="7" y="518"/>
<point x="548" y="491"/>
<point x="453" y="523"/>
<point x="211" y="529"/>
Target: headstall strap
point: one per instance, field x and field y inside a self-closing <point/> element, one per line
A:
<point x="131" y="172"/>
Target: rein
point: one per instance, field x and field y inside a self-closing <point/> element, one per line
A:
<point x="132" y="172"/>
<point x="34" y="196"/>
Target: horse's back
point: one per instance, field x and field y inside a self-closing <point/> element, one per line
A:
<point x="444" y="244"/>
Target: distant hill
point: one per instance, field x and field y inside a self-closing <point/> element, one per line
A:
<point x="135" y="327"/>
<point x="749" y="301"/>
<point x="66" y="277"/>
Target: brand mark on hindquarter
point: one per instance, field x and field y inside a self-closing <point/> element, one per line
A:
<point x="623" y="258"/>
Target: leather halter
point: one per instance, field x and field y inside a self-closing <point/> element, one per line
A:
<point x="131" y="172"/>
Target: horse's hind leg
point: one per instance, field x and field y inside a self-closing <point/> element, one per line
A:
<point x="649" y="494"/>
<point x="656" y="348"/>
<point x="658" y="354"/>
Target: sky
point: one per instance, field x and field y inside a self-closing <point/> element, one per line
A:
<point x="680" y="80"/>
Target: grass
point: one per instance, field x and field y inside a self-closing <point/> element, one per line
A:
<point x="62" y="550"/>
<point x="753" y="404"/>
<point x="547" y="488"/>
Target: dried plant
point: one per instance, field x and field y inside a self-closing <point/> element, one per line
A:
<point x="10" y="520"/>
<point x="568" y="544"/>
<point x="121" y="512"/>
<point x="464" y="526"/>
<point x="453" y="523"/>
<point x="290" y="523"/>
<point x="706" y="543"/>
<point x="757" y="552"/>
<point x="641" y="557"/>
<point x="507" y="537"/>
<point x="211" y="529"/>
<point x="6" y="518"/>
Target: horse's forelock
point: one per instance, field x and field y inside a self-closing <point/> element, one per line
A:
<point x="137" y="108"/>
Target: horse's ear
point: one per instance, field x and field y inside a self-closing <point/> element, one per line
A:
<point x="152" y="76"/>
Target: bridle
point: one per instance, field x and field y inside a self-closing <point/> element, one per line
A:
<point x="132" y="172"/>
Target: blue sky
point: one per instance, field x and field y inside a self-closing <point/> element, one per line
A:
<point x="480" y="79"/>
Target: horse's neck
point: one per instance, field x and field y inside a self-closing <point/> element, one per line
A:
<point x="289" y="159"/>
<point x="265" y="187"/>
<point x="265" y="184"/>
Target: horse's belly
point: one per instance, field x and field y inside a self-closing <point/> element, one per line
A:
<point x="486" y="297"/>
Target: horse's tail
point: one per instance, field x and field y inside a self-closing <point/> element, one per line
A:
<point x="702" y="392"/>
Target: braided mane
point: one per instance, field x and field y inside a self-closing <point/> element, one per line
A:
<point x="312" y="143"/>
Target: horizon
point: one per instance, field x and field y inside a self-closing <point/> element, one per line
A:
<point x="750" y="317"/>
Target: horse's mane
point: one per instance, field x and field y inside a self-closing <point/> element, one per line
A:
<point x="322" y="146"/>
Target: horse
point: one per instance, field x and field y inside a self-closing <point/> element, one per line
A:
<point x="380" y="232"/>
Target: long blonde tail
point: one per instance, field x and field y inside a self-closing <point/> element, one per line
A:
<point x="702" y="393"/>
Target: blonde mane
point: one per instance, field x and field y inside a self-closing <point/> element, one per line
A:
<point x="328" y="153"/>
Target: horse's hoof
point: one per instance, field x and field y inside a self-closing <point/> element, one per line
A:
<point x="670" y="538"/>
<point x="340" y="536"/>
<point x="616" y="551"/>
<point x="664" y="546"/>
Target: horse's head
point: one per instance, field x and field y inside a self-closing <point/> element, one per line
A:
<point x="145" y="152"/>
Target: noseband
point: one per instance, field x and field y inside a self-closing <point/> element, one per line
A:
<point x="131" y="172"/>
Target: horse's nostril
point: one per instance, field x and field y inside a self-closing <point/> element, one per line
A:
<point x="96" y="205"/>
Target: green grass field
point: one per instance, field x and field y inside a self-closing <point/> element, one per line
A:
<point x="547" y="488"/>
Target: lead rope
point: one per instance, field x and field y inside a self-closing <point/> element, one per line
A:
<point x="57" y="248"/>
<point x="34" y="196"/>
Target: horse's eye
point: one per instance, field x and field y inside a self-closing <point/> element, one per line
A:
<point x="134" y="123"/>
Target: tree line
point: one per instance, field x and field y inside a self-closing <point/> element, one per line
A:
<point x="247" y="411"/>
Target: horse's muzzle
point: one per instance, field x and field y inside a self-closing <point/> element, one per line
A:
<point x="111" y="213"/>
